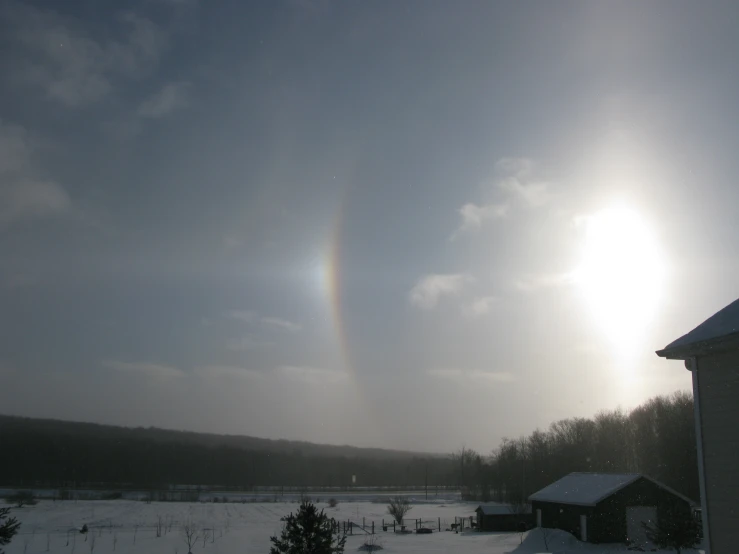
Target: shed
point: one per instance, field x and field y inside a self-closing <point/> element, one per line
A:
<point x="605" y="507"/>
<point x="502" y="517"/>
<point x="711" y="354"/>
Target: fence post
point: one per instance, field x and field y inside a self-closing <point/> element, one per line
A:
<point x="363" y="524"/>
<point x="439" y="524"/>
<point x="373" y="526"/>
<point x="393" y="526"/>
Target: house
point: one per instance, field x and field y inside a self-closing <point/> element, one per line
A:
<point x="497" y="517"/>
<point x="604" y="507"/>
<point x="711" y="354"/>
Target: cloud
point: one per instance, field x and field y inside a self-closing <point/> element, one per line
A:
<point x="533" y="194"/>
<point x="479" y="306"/>
<point x="247" y="316"/>
<point x="472" y="374"/>
<point x="216" y="371"/>
<point x="145" y="368"/>
<point x="22" y="192"/>
<point x="426" y="293"/>
<point x="282" y="324"/>
<point x="171" y="97"/>
<point x="70" y="66"/>
<point x="32" y="199"/>
<point x="474" y="215"/>
<point x="532" y="283"/>
<point x="269" y="322"/>
<point x="311" y="374"/>
<point x="515" y="166"/>
<point x="248" y="342"/>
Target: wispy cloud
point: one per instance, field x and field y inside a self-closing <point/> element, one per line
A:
<point x="311" y="374"/>
<point x="145" y="368"/>
<point x="171" y="97"/>
<point x="282" y="324"/>
<point x="472" y="374"/>
<point x="515" y="183"/>
<point x="267" y="322"/>
<point x="473" y="216"/>
<point x="249" y="342"/>
<point x="520" y="182"/>
<point x="479" y="306"/>
<point x="23" y="193"/>
<point x="533" y="193"/>
<point x="246" y="316"/>
<point x="217" y="371"/>
<point x="72" y="67"/>
<point x="532" y="283"/>
<point x="515" y="166"/>
<point x="430" y="288"/>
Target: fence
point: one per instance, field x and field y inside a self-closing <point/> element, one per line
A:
<point x="419" y="525"/>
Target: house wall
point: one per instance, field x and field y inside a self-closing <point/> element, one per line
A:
<point x="718" y="391"/>
<point x="608" y="521"/>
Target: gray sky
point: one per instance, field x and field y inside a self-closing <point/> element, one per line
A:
<point x="414" y="225"/>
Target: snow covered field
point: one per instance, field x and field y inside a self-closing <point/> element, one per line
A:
<point x="124" y="527"/>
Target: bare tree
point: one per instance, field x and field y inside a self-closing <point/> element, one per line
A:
<point x="398" y="507"/>
<point x="190" y="535"/>
<point x="92" y="543"/>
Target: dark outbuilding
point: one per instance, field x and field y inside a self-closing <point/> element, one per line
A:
<point x="605" y="507"/>
<point x="496" y="517"/>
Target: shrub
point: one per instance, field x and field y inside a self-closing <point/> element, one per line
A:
<point x="8" y="527"/>
<point x="675" y="529"/>
<point x="398" y="507"/>
<point x="332" y="502"/>
<point x="308" y="531"/>
<point x="21" y="498"/>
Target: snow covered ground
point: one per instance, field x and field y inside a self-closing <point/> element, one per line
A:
<point x="124" y="527"/>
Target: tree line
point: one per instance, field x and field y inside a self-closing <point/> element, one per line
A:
<point x="656" y="439"/>
<point x="58" y="454"/>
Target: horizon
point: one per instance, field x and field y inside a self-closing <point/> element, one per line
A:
<point x="414" y="227"/>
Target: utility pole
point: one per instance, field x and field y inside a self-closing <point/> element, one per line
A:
<point x="426" y="479"/>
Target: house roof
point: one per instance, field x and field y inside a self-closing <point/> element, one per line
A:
<point x="718" y="332"/>
<point x="499" y="509"/>
<point x="587" y="489"/>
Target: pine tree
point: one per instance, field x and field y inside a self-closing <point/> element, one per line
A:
<point x="8" y="527"/>
<point x="676" y="529"/>
<point x="308" y="532"/>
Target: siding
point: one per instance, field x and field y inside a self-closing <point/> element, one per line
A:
<point x="718" y="387"/>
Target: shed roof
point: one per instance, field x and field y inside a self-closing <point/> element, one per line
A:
<point x="499" y="509"/>
<point x="587" y="489"/>
<point x="719" y="331"/>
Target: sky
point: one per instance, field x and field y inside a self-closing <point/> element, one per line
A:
<point x="407" y="224"/>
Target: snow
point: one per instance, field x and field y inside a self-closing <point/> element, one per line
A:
<point x="584" y="489"/>
<point x="723" y="323"/>
<point x="246" y="528"/>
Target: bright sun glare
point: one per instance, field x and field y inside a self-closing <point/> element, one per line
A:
<point x="621" y="274"/>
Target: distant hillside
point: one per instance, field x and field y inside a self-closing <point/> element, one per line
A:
<point x="52" y="452"/>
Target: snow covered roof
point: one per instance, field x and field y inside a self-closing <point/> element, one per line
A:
<point x="587" y="489"/>
<point x="584" y="489"/>
<point x="721" y="329"/>
<point x="499" y="509"/>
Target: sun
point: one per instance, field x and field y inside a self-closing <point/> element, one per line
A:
<point x="621" y="274"/>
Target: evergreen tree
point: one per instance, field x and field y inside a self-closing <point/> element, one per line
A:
<point x="676" y="529"/>
<point x="8" y="527"/>
<point x="308" y="532"/>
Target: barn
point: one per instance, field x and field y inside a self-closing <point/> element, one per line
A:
<point x="497" y="517"/>
<point x="605" y="507"/>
